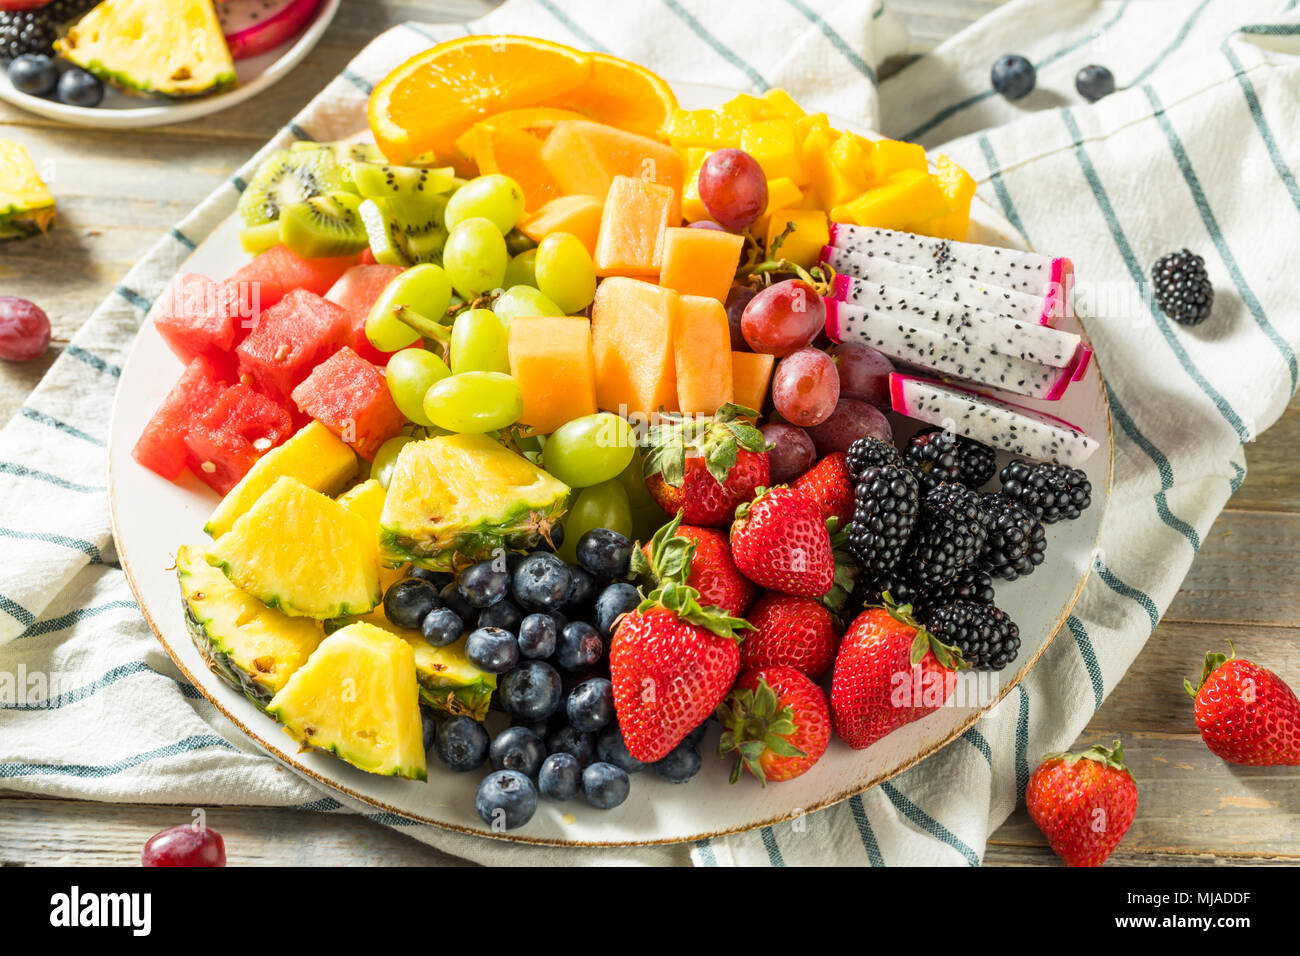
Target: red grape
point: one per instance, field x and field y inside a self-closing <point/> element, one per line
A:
<point x="791" y="452"/>
<point x="783" y="317"/>
<point x="805" y="387"/>
<point x="706" y="224"/>
<point x="24" y="329"/>
<point x="864" y="373"/>
<point x="185" y="845"/>
<point x="851" y="420"/>
<point x="737" y="299"/>
<point x="733" y="188"/>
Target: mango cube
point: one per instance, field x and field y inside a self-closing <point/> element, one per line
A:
<point x="776" y="147"/>
<point x="803" y="246"/>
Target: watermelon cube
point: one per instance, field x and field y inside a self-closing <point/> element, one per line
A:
<point x="197" y="316"/>
<point x="161" y="447"/>
<point x="357" y="292"/>
<point x="350" y="397"/>
<point x="279" y="271"/>
<point x="291" y="338"/>
<point x="226" y="441"/>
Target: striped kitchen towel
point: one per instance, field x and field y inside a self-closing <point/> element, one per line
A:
<point x="1197" y="148"/>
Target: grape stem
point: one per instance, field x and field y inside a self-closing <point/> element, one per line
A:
<point x="426" y="326"/>
<point x="759" y="272"/>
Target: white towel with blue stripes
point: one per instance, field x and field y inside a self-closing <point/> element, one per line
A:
<point x="1198" y="148"/>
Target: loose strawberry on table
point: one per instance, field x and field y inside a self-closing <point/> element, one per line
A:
<point x="776" y="722"/>
<point x="1246" y="713"/>
<point x="1084" y="803"/>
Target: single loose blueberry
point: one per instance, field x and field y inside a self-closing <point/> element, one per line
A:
<point x="442" y="626"/>
<point x="532" y="691"/>
<point x="79" y="88"/>
<point x="1013" y="76"/>
<point x="1094" y="82"/>
<point x="492" y="649"/>
<point x="604" y="553"/>
<point x="618" y="599"/>
<point x="590" y="706"/>
<point x="408" y="601"/>
<point x="612" y="748"/>
<point x="579" y="646"/>
<point x="483" y="584"/>
<point x="504" y="614"/>
<point x="569" y="740"/>
<point x="506" y="799"/>
<point x="517" y="748"/>
<point x="537" y="636"/>
<point x="461" y="743"/>
<point x="34" y="74"/>
<point x="680" y="764"/>
<point x="560" y="778"/>
<point x="541" y="582"/>
<point x="605" y="785"/>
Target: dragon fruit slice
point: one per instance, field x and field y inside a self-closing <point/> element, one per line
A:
<point x="1021" y="431"/>
<point x="976" y="327"/>
<point x="253" y="27"/>
<point x="929" y="345"/>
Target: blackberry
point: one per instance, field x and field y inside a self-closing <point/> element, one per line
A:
<point x="972" y="585"/>
<point x="1017" y="541"/>
<point x="975" y="463"/>
<point x="986" y="636"/>
<point x="870" y="591"/>
<point x="26" y="31"/>
<point x="867" y="453"/>
<point x="932" y="456"/>
<point x="1050" y="492"/>
<point x="886" y="500"/>
<point x="950" y="535"/>
<point x="61" y="11"/>
<point x="1183" y="288"/>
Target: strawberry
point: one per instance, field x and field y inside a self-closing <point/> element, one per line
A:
<point x="705" y="466"/>
<point x="790" y="631"/>
<point x="828" y="484"/>
<point x="706" y="555"/>
<point x="1246" y="713"/>
<point x="776" y="723"/>
<point x="889" y="672"/>
<point x="671" y="663"/>
<point x="1084" y="803"/>
<point x="780" y="541"/>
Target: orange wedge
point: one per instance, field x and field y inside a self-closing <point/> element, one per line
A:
<point x="536" y="120"/>
<point x="623" y="94"/>
<point x="432" y="98"/>
<point x="518" y="154"/>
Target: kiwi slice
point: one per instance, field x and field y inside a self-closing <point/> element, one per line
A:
<point x="406" y="232"/>
<point x="324" y="226"/>
<point x="287" y="177"/>
<point x="257" y="239"/>
<point x="401" y="184"/>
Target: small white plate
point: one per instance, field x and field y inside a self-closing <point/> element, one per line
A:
<point x="124" y="111"/>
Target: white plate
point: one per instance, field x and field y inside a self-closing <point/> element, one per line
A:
<point x="151" y="517"/>
<point x="123" y="111"/>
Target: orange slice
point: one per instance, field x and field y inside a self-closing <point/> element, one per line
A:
<point x="624" y="95"/>
<point x="432" y="98"/>
<point x="518" y="154"/>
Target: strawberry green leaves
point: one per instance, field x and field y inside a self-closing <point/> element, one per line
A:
<point x="718" y="439"/>
<point x="754" y="723"/>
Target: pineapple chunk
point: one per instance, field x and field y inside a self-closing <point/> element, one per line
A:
<point x="456" y="499"/>
<point x="254" y="647"/>
<point x="26" y="206"/>
<point x="357" y="697"/>
<point x="302" y="552"/>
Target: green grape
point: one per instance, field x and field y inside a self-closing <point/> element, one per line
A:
<point x="411" y="373"/>
<point x="523" y="300"/>
<point x="647" y="516"/>
<point x="474" y="402"/>
<point x="423" y="289"/>
<point x="518" y="242"/>
<point x="381" y="469"/>
<point x="600" y="506"/>
<point x="522" y="270"/>
<point x="565" y="272"/>
<point x="478" y="343"/>
<point x="494" y="197"/>
<point x="590" y="449"/>
<point x="475" y="257"/>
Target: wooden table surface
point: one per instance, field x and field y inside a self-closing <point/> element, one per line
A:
<point x="119" y="191"/>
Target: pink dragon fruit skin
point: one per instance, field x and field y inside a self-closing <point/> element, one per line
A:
<point x="999" y="424"/>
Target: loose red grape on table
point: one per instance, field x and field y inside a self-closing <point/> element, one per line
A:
<point x="24" y="329"/>
<point x="185" y="845"/>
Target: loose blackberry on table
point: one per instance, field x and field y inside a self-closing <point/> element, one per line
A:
<point x="1017" y="542"/>
<point x="986" y="636"/>
<point x="950" y="535"/>
<point x="1183" y="288"/>
<point x="886" y="502"/>
<point x="1051" y="492"/>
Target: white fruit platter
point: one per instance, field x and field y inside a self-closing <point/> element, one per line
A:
<point x="152" y="517"/>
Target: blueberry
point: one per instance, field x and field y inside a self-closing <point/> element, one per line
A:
<point x="560" y="778"/>
<point x="461" y="743"/>
<point x="450" y="598"/>
<point x="532" y="691"/>
<point x="541" y="582"/>
<point x="439" y="579"/>
<point x="557" y="539"/>
<point x="541" y="727"/>
<point x="442" y="626"/>
<point x="506" y="799"/>
<point x="604" y="553"/>
<point x="408" y="601"/>
<point x="579" y="646"/>
<point x="569" y="740"/>
<point x="1013" y="76"/>
<point x="696" y="735"/>
<point x="513" y="560"/>
<point x="591" y="705"/>
<point x="483" y="584"/>
<point x="612" y="748"/>
<point x="583" y="588"/>
<point x="492" y="649"/>
<point x="537" y="636"/>
<point x="680" y="764"/>
<point x="430" y="727"/>
<point x="34" y="74"/>
<point x="79" y="88"/>
<point x="1093" y="82"/>
<point x="517" y="748"/>
<point x="616" y="600"/>
<point x="504" y="614"/>
<point x="605" y="785"/>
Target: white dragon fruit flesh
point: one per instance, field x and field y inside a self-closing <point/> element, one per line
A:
<point x="1024" y="286"/>
<point x="1021" y="431"/>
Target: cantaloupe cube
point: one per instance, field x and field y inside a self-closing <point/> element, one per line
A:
<point x="632" y="224"/>
<point x="550" y="358"/>
<point x="578" y="215"/>
<point x="903" y="200"/>
<point x="584" y="158"/>
<point x="701" y="354"/>
<point x="632" y="346"/>
<point x="751" y="374"/>
<point x="959" y="187"/>
<point x="700" y="261"/>
<point x="775" y="144"/>
<point x="803" y="246"/>
<point x="893" y="156"/>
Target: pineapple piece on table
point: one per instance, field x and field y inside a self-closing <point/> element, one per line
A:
<point x="26" y="206"/>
